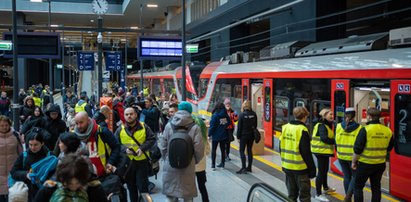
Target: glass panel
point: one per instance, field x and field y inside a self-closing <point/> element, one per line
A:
<point x="281" y="111"/>
<point x="169" y="86"/>
<point x="245" y="93"/>
<point x="339" y="105"/>
<point x="203" y="87"/>
<point x="156" y="87"/>
<point x="267" y="103"/>
<point x="262" y="192"/>
<point x="226" y="88"/>
<point x="402" y="125"/>
<point x="315" y="108"/>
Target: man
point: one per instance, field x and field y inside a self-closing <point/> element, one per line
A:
<point x="83" y="105"/>
<point x="46" y="97"/>
<point x="230" y="128"/>
<point x="69" y="100"/>
<point x="4" y="104"/>
<point x="101" y="116"/>
<point x="345" y="135"/>
<point x="136" y="139"/>
<point x="152" y="115"/>
<point x="371" y="146"/>
<point x="297" y="161"/>
<point x="180" y="182"/>
<point x="99" y="141"/>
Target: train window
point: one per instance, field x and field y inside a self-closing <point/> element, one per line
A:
<point x="281" y="111"/>
<point x="169" y="86"/>
<point x="339" y="105"/>
<point x="402" y="124"/>
<point x="156" y="87"/>
<point x="226" y="88"/>
<point x="203" y="87"/>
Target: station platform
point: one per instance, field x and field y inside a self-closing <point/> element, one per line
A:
<point x="225" y="185"/>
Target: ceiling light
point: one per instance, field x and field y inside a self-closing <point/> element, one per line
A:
<point x="152" y="5"/>
<point x="133" y="27"/>
<point x="38" y="1"/>
<point x="91" y="20"/>
<point x="54" y="25"/>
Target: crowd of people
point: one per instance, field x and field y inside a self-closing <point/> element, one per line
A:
<point x="361" y="152"/>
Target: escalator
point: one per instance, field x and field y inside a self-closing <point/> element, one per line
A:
<point x="261" y="192"/>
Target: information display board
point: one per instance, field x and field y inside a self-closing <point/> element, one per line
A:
<point x="160" y="48"/>
<point x="85" y="61"/>
<point x="35" y="45"/>
<point x="113" y="61"/>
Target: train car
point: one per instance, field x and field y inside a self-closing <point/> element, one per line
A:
<point x="380" y="78"/>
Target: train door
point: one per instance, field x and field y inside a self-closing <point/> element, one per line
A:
<point x="245" y="83"/>
<point x="339" y="101"/>
<point x="400" y="157"/>
<point x="267" y="107"/>
<point x="257" y="102"/>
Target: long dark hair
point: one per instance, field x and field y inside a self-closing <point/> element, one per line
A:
<point x="71" y="141"/>
<point x="219" y="106"/>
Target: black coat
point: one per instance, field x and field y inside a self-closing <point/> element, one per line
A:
<point x="54" y="127"/>
<point x="247" y="121"/>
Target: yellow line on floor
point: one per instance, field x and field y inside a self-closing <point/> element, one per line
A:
<point x="389" y="198"/>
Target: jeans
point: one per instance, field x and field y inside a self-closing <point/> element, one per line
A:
<point x="228" y="142"/>
<point x="249" y="144"/>
<point x="323" y="163"/>
<point x="201" y="180"/>
<point x="214" y="145"/>
<point x="365" y="171"/>
<point x="349" y="177"/>
<point x="137" y="179"/>
<point x="298" y="185"/>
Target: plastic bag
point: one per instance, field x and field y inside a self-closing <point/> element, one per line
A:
<point x="19" y="192"/>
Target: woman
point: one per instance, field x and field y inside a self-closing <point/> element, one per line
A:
<point x="10" y="148"/>
<point x="218" y="133"/>
<point x="27" y="110"/>
<point x="36" y="152"/>
<point x="322" y="147"/>
<point x="37" y="114"/>
<point x="73" y="183"/>
<point x="68" y="143"/>
<point x="345" y="136"/>
<point x="247" y="122"/>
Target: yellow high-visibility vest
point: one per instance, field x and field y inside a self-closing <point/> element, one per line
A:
<point x="378" y="139"/>
<point x="290" y="147"/>
<point x="318" y="146"/>
<point x="80" y="108"/>
<point x="37" y="101"/>
<point x="128" y="142"/>
<point x="345" y="142"/>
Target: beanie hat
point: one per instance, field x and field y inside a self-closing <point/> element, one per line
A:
<point x="227" y="101"/>
<point x="185" y="106"/>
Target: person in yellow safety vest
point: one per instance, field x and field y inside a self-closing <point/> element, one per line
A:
<point x="37" y="100"/>
<point x="101" y="145"/>
<point x="322" y="147"/>
<point x="345" y="135"/>
<point x="146" y="91"/>
<point x="371" y="147"/>
<point x="296" y="158"/>
<point x="82" y="105"/>
<point x="137" y="138"/>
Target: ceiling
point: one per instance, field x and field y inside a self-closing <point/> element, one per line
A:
<point x="121" y="14"/>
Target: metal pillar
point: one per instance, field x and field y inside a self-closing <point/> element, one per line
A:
<point x="141" y="60"/>
<point x="51" y="82"/>
<point x="100" y="60"/>
<point x="183" y="48"/>
<point x="15" y="105"/>
<point x="63" y="83"/>
<point x="125" y="61"/>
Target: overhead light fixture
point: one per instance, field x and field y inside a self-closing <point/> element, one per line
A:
<point x="133" y="27"/>
<point x="152" y="5"/>
<point x="55" y="26"/>
<point x="37" y="1"/>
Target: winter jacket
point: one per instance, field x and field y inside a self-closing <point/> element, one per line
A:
<point x="10" y="149"/>
<point x="71" y="101"/>
<point x="152" y="118"/>
<point x="100" y="119"/>
<point x="181" y="182"/>
<point x="218" y="125"/>
<point x="4" y="106"/>
<point x="19" y="173"/>
<point x="54" y="126"/>
<point x="27" y="110"/>
<point x="246" y="123"/>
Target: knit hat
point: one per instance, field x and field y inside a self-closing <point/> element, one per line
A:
<point x="227" y="101"/>
<point x="185" y="106"/>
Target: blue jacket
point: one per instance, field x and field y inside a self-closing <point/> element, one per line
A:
<point x="218" y="125"/>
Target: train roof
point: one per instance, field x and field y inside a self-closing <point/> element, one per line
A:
<point x="384" y="59"/>
<point x="153" y="74"/>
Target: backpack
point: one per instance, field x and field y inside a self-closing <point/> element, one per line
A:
<point x="180" y="147"/>
<point x="41" y="170"/>
<point x="62" y="194"/>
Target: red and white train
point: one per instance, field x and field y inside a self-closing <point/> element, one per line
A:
<point x="375" y="78"/>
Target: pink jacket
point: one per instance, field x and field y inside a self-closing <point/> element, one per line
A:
<point x="9" y="152"/>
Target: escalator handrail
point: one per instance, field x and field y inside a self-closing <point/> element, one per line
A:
<point x="269" y="189"/>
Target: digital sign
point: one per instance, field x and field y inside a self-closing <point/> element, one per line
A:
<point x="160" y="48"/>
<point x="35" y="45"/>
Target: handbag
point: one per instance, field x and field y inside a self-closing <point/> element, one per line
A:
<point x="257" y="135"/>
<point x="19" y="192"/>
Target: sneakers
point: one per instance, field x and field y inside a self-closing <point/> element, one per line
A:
<point x="329" y="190"/>
<point x="321" y="198"/>
<point x="213" y="168"/>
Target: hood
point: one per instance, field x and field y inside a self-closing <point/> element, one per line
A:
<point x="182" y="118"/>
<point x="99" y="117"/>
<point x="27" y="99"/>
<point x="222" y="112"/>
<point x="54" y="108"/>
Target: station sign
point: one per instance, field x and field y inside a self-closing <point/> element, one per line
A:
<point x="85" y="61"/>
<point x="6" y="45"/>
<point x="113" y="61"/>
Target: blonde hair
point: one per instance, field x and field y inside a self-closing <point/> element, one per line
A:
<point x="246" y="106"/>
<point x="324" y="112"/>
<point x="300" y="112"/>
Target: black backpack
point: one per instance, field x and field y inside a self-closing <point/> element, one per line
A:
<point x="180" y="147"/>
